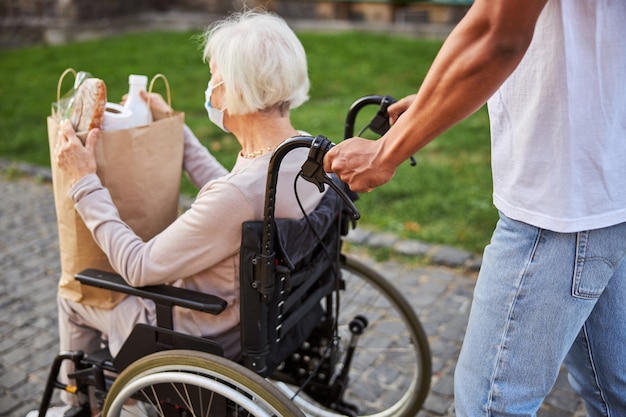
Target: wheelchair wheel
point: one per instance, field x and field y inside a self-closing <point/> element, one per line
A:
<point x="391" y="366"/>
<point x="185" y="383"/>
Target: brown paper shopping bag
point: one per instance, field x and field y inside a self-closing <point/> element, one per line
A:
<point x="141" y="167"/>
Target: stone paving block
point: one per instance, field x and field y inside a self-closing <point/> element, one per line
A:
<point x="358" y="236"/>
<point x="12" y="377"/>
<point x="24" y="333"/>
<point x="454" y="329"/>
<point x="429" y="327"/>
<point x="442" y="317"/>
<point x="449" y="256"/>
<point x="9" y="405"/>
<point x="445" y="385"/>
<point x="438" y="364"/>
<point x="412" y="248"/>
<point x="43" y="340"/>
<point x="547" y="412"/>
<point x="41" y="360"/>
<point x="6" y="344"/>
<point x="18" y="355"/>
<point x="382" y="240"/>
<point x="445" y="350"/>
<point x="438" y="404"/>
<point x="447" y="276"/>
<point x="562" y="381"/>
<point x="435" y="289"/>
<point x="47" y="321"/>
<point x="421" y="299"/>
<point x="561" y="400"/>
<point x="474" y="263"/>
<point x="30" y="390"/>
<point x="464" y="292"/>
<point x="23" y="293"/>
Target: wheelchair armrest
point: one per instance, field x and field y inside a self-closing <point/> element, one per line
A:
<point x="160" y="294"/>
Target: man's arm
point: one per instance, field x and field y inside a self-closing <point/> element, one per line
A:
<point x="478" y="56"/>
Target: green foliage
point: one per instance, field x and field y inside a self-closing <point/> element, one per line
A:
<point x="445" y="199"/>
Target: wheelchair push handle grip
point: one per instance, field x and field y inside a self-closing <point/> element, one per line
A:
<point x="379" y="124"/>
<point x="313" y="171"/>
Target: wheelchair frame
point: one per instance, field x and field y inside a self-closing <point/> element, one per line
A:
<point x="294" y="361"/>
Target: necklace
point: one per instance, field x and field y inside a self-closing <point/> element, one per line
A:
<point x="256" y="153"/>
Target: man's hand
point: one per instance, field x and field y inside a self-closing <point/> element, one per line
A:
<point x="399" y="107"/>
<point x="72" y="157"/>
<point x="354" y="161"/>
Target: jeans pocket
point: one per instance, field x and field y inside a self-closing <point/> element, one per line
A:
<point x="591" y="273"/>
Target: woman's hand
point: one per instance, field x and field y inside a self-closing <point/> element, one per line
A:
<point x="72" y="157"/>
<point x="156" y="101"/>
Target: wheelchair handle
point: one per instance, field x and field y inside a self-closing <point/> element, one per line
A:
<point x="379" y="124"/>
<point x="312" y="171"/>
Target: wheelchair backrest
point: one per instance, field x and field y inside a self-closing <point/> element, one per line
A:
<point x="305" y="270"/>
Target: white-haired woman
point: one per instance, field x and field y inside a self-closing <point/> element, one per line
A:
<point x="258" y="72"/>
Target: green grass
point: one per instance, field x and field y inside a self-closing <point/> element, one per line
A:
<point x="445" y="199"/>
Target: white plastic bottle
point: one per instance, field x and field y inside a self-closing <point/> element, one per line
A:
<point x="141" y="114"/>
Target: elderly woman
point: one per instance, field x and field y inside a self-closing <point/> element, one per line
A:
<point x="258" y="72"/>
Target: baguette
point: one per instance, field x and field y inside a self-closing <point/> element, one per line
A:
<point x="90" y="101"/>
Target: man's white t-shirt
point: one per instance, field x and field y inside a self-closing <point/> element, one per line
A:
<point x="558" y="124"/>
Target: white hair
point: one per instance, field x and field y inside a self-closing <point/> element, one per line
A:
<point x="261" y="60"/>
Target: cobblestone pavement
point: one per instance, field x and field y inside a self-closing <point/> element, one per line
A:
<point x="30" y="269"/>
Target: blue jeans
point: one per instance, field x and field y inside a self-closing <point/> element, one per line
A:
<point x="543" y="299"/>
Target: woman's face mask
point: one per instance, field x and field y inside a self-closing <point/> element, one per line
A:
<point x="215" y="115"/>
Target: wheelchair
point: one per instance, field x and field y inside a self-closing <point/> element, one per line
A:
<point x="322" y="334"/>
